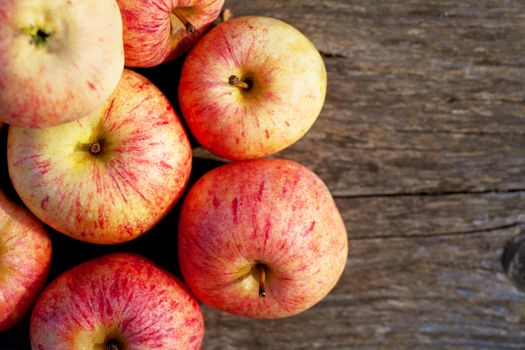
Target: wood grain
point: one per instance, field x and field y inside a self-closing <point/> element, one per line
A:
<point x="421" y="274"/>
<point x="422" y="97"/>
<point x="409" y="216"/>
<point x="422" y="142"/>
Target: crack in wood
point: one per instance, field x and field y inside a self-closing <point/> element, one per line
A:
<point x="466" y="133"/>
<point x="332" y="54"/>
<point x="425" y="193"/>
<point x="440" y="235"/>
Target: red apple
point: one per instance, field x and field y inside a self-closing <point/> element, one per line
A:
<point x="261" y="238"/>
<point x="60" y="59"/>
<point x="25" y="257"/>
<point x="109" y="177"/>
<point x="156" y="31"/>
<point x="251" y="87"/>
<point x="116" y="302"/>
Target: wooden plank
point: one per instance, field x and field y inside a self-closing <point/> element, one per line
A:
<point x="422" y="97"/>
<point x="411" y="216"/>
<point x="412" y="282"/>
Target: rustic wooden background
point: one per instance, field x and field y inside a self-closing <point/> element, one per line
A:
<point x="422" y="144"/>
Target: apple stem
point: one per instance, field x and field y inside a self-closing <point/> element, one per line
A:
<point x="112" y="346"/>
<point x="262" y="278"/>
<point x="233" y="80"/>
<point x="190" y="28"/>
<point x="226" y="15"/>
<point x="95" y="148"/>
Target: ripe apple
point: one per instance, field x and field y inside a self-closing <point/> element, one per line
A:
<point x="25" y="257"/>
<point x="261" y="238"/>
<point x="251" y="87"/>
<point x="110" y="176"/>
<point x="156" y="31"/>
<point x="116" y="302"/>
<point x="60" y="59"/>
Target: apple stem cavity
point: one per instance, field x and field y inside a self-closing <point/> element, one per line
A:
<point x="95" y="148"/>
<point x="262" y="279"/>
<point x="38" y="35"/>
<point x="190" y="28"/>
<point x="235" y="81"/>
<point x="114" y="345"/>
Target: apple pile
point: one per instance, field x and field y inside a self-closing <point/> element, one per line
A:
<point x="97" y="152"/>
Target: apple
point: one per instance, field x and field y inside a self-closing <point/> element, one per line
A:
<point x="251" y="87"/>
<point x="261" y="238"/>
<point x="116" y="302"/>
<point x="25" y="257"/>
<point x="61" y="59"/>
<point x="156" y="31"/>
<point x="109" y="177"/>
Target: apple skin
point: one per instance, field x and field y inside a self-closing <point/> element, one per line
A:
<point x="120" y="297"/>
<point x="25" y="258"/>
<point x="123" y="191"/>
<point x="70" y="74"/>
<point x="272" y="212"/>
<point x="153" y="34"/>
<point x="288" y="87"/>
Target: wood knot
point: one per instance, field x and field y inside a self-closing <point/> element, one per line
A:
<point x="513" y="261"/>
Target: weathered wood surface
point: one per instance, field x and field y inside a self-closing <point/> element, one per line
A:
<point x="422" y="142"/>
<point x="424" y="272"/>
<point x="423" y="96"/>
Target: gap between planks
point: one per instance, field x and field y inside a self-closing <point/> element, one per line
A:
<point x="444" y="234"/>
<point x="416" y="194"/>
